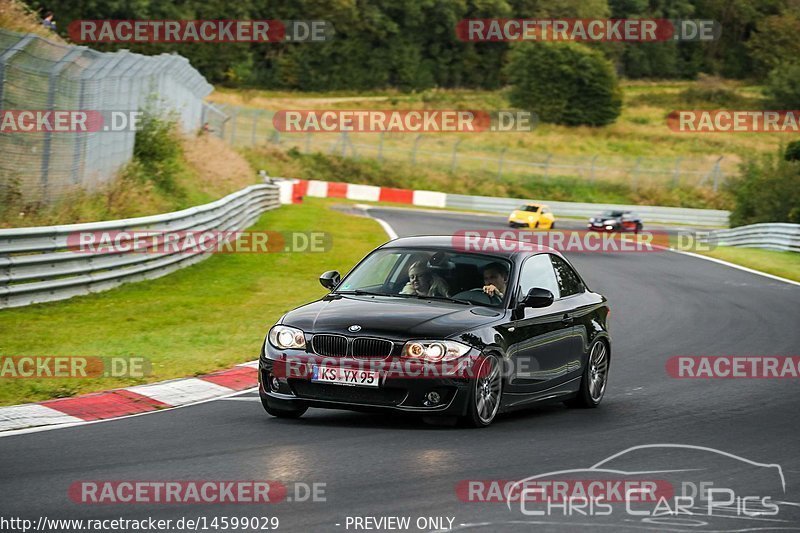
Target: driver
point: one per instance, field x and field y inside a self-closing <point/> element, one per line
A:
<point x="423" y="282"/>
<point x="495" y="278"/>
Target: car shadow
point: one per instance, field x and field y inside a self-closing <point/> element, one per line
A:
<point x="356" y="419"/>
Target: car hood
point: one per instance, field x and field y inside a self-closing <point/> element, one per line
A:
<point x="388" y="317"/>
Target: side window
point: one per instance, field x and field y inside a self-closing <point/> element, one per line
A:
<point x="568" y="281"/>
<point x="537" y="271"/>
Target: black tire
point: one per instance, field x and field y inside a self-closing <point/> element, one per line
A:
<point x="553" y="226"/>
<point x="488" y="384"/>
<point x="283" y="413"/>
<point x="638" y="228"/>
<point x="598" y="363"/>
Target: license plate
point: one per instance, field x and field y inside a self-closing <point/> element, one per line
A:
<point x="344" y="376"/>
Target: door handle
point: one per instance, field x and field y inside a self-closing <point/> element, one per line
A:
<point x="567" y="320"/>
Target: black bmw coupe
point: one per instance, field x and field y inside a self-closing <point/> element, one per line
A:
<point x="436" y="326"/>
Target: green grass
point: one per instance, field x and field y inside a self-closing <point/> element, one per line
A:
<point x="294" y="163"/>
<point x="638" y="159"/>
<point x="783" y="264"/>
<point x="641" y="130"/>
<point x="198" y="320"/>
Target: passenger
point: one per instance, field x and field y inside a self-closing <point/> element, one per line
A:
<point x="495" y="279"/>
<point x="423" y="282"/>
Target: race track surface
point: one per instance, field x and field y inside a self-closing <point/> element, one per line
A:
<point x="663" y="304"/>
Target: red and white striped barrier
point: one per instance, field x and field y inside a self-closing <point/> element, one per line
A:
<point x="130" y="401"/>
<point x="293" y="191"/>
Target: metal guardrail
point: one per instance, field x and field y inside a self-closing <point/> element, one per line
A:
<point x="35" y="265"/>
<point x="677" y="215"/>
<point x="783" y="237"/>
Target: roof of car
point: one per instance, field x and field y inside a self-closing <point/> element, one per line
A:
<point x="484" y="245"/>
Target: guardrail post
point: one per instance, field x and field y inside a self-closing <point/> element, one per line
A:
<point x="414" y="149"/>
<point x="716" y="172"/>
<point x="676" y="175"/>
<point x="454" y="160"/>
<point x="234" y="119"/>
<point x="222" y="127"/>
<point x="500" y="163"/>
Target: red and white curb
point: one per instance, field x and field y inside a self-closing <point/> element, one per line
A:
<point x="292" y="192"/>
<point x="131" y="400"/>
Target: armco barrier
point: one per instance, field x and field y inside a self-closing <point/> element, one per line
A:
<point x="293" y="190"/>
<point x="784" y="237"/>
<point x="36" y="267"/>
<point x="677" y="215"/>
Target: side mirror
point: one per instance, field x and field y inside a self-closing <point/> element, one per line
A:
<point x="330" y="279"/>
<point x="537" y="297"/>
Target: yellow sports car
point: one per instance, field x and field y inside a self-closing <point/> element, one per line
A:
<point x="532" y="216"/>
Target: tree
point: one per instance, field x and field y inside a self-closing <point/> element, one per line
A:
<point x="564" y="83"/>
<point x="783" y="89"/>
<point x="792" y="152"/>
<point x="774" y="42"/>
<point x="766" y="190"/>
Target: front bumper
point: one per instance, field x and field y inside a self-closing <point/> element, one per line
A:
<point x="595" y="226"/>
<point x="520" y="224"/>
<point x="395" y="393"/>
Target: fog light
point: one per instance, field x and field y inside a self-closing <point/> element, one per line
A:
<point x="274" y="384"/>
<point x="432" y="398"/>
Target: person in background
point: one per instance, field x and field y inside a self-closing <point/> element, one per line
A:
<point x="495" y="278"/>
<point x="48" y="21"/>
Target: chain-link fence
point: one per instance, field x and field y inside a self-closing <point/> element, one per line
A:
<point x="37" y="74"/>
<point x="249" y="126"/>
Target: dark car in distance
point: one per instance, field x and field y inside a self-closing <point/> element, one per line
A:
<point x="615" y="220"/>
<point x="422" y="302"/>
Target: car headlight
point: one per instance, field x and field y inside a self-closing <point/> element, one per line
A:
<point x="287" y="337"/>
<point x="434" y="350"/>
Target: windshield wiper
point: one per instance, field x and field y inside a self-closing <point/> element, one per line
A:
<point x="443" y="298"/>
<point x="359" y="292"/>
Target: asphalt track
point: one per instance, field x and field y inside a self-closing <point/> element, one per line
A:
<point x="663" y="304"/>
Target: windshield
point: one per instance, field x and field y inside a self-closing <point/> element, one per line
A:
<point x="531" y="208"/>
<point x="423" y="273"/>
<point x="611" y="214"/>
